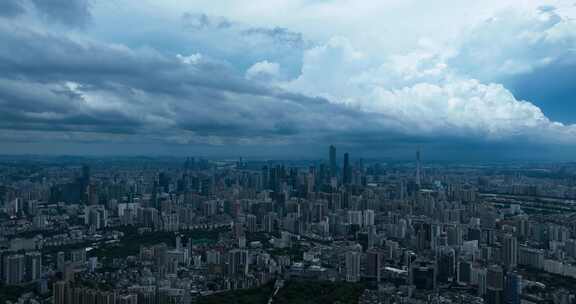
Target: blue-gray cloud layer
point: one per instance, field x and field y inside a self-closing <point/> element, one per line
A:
<point x="74" y="13"/>
<point x="220" y="83"/>
<point x="57" y="83"/>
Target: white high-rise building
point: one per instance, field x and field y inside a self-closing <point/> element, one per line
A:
<point x="368" y="217"/>
<point x="355" y="217"/>
<point x="510" y="251"/>
<point x="14" y="269"/>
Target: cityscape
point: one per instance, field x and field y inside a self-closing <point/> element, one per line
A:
<point x="287" y="152"/>
<point x="201" y="231"/>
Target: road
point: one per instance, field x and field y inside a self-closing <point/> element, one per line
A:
<point x="279" y="284"/>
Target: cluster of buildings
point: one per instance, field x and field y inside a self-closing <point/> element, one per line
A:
<point x="166" y="232"/>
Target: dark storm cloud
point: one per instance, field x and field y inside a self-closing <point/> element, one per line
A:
<point x="60" y="83"/>
<point x="47" y="56"/>
<point x="62" y="88"/>
<point x="34" y="106"/>
<point x="68" y="12"/>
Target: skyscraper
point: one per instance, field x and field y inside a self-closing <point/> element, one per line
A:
<point x="14" y="269"/>
<point x="418" y="168"/>
<point x="481" y="280"/>
<point x="512" y="288"/>
<point x="85" y="174"/>
<point x="178" y="242"/>
<point x="33" y="266"/>
<point x="510" y="251"/>
<point x="494" y="285"/>
<point x="60" y="261"/>
<point x="238" y="262"/>
<point x="332" y="157"/>
<point x="85" y="184"/>
<point x="59" y="292"/>
<point x="464" y="272"/>
<point x="446" y="264"/>
<point x="375" y="262"/>
<point x="352" y="266"/>
<point x="347" y="170"/>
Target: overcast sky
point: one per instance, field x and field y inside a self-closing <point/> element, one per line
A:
<point x="490" y="79"/>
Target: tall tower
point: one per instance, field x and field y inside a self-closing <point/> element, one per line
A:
<point x="332" y="160"/>
<point x="347" y="170"/>
<point x="86" y="174"/>
<point x="85" y="184"/>
<point x="418" y="168"/>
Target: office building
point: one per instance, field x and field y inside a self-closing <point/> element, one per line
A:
<point x="494" y="285"/>
<point x="422" y="275"/>
<point x="510" y="251"/>
<point x="353" y="266"/>
<point x="14" y="269"/>
<point x="374" y="264"/>
<point x="33" y="266"/>
<point x="332" y="156"/>
<point x="346" y="170"/>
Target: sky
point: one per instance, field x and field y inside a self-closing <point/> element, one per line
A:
<point x="462" y="80"/>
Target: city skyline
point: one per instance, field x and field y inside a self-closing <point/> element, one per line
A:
<point x="195" y="231"/>
<point x="284" y="79"/>
<point x="287" y="152"/>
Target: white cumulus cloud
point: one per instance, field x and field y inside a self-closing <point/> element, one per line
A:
<point x="263" y="71"/>
<point x="449" y="91"/>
